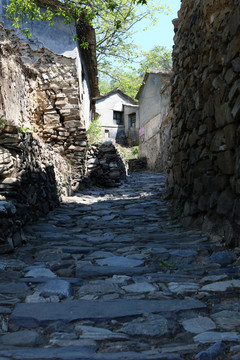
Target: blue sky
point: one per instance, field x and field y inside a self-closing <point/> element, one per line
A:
<point x="161" y="34"/>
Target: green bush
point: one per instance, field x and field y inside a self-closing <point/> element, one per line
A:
<point x="135" y="150"/>
<point x="94" y="131"/>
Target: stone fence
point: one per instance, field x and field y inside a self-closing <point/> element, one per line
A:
<point x="205" y="170"/>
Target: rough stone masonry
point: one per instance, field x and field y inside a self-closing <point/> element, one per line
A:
<point x="45" y="103"/>
<point x="44" y="96"/>
<point x="205" y="170"/>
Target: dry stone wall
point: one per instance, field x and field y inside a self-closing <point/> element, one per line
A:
<point x="205" y="170"/>
<point x="32" y="177"/>
<point x="105" y="165"/>
<point x="43" y="141"/>
<point x="40" y="90"/>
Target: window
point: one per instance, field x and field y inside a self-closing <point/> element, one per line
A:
<point x="118" y="117"/>
<point x="132" y="120"/>
<point x="107" y="135"/>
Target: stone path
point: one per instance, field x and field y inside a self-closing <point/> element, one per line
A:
<point x="110" y="276"/>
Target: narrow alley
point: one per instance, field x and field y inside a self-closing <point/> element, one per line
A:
<point x="111" y="275"/>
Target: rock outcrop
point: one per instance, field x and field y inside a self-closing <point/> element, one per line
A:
<point x="204" y="177"/>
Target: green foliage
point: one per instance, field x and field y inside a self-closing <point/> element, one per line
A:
<point x="25" y="11"/>
<point x="159" y="57"/>
<point x="2" y="123"/>
<point x="135" y="150"/>
<point x="84" y="45"/>
<point x="127" y="152"/>
<point x="130" y="81"/>
<point x="114" y="32"/>
<point x="25" y="130"/>
<point x="107" y="15"/>
<point x="104" y="85"/>
<point x="113" y="20"/>
<point x="168" y="265"/>
<point x="22" y="129"/>
<point x="94" y="131"/>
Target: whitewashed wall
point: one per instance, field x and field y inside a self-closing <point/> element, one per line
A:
<point x="154" y="105"/>
<point x="59" y="40"/>
<point x="106" y="106"/>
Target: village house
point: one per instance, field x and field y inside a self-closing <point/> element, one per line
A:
<point x="154" y="118"/>
<point x="118" y="117"/>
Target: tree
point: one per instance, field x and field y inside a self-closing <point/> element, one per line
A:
<point x="159" y="57"/>
<point x="113" y="21"/>
<point x="130" y="81"/>
<point x="114" y="31"/>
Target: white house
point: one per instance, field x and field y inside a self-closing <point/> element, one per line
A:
<point x="154" y="118"/>
<point x="119" y="117"/>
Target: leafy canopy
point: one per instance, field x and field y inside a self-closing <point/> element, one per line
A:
<point x="130" y="80"/>
<point x="159" y="57"/>
<point x="114" y="31"/>
<point x="114" y="22"/>
<point x="24" y="11"/>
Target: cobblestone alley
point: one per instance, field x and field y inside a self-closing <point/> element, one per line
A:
<point x="110" y="275"/>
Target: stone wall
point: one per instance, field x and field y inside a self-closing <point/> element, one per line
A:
<point x="40" y="90"/>
<point x="32" y="177"/>
<point x="45" y="103"/>
<point x="205" y="170"/>
<point x="105" y="165"/>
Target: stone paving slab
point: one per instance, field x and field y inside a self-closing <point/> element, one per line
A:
<point x="120" y="261"/>
<point x="74" y="249"/>
<point x="89" y="271"/>
<point x="76" y="353"/>
<point x="67" y="311"/>
<point x="65" y="353"/>
<point x="76" y="281"/>
<point x="221" y="286"/>
<point x="13" y="288"/>
<point x="214" y="336"/>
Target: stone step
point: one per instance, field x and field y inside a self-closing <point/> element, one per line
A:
<point x="78" y="353"/>
<point x="89" y="271"/>
<point x="33" y="315"/>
